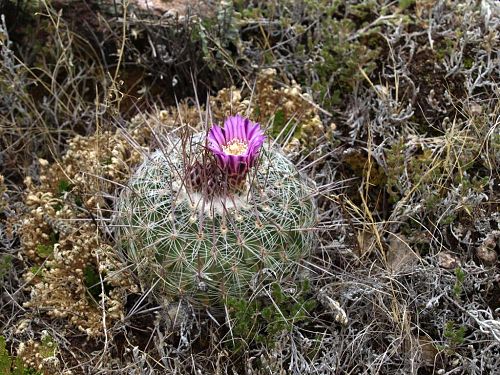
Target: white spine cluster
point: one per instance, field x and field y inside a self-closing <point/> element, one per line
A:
<point x="208" y="249"/>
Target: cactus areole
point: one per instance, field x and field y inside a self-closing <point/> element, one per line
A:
<point x="207" y="219"/>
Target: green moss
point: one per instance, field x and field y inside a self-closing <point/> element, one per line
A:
<point x="44" y="251"/>
<point x="360" y="166"/>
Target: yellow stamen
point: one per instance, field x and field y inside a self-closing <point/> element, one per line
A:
<point x="235" y="147"/>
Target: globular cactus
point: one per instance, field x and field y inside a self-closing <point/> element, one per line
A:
<point x="203" y="219"/>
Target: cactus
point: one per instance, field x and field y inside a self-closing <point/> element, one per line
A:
<point x="207" y="218"/>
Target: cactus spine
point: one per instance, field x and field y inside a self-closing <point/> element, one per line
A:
<point x="212" y="242"/>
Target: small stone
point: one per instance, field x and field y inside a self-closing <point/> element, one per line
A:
<point x="487" y="256"/>
<point x="448" y="260"/>
<point x="486" y="251"/>
<point x="476" y="109"/>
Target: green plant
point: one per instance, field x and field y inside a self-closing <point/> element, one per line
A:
<point x="194" y="231"/>
<point x="455" y="336"/>
<point x="221" y="31"/>
<point x="93" y="282"/>
<point x="5" y="360"/>
<point x="460" y="277"/>
<point x="5" y="266"/>
<point x="261" y="320"/>
<point x="10" y="365"/>
<point x="330" y="46"/>
<point x="45" y="250"/>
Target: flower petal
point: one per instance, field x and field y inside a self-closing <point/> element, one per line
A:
<point x="228" y="129"/>
<point x="241" y="129"/>
<point x="216" y="137"/>
<point x="253" y="129"/>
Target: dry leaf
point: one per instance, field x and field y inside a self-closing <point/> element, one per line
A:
<point x="366" y="242"/>
<point x="399" y="254"/>
<point x="428" y="351"/>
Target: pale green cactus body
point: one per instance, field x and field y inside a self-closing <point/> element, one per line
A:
<point x="187" y="244"/>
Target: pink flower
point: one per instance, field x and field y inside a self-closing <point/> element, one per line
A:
<point x="236" y="146"/>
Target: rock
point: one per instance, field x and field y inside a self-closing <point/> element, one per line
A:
<point x="448" y="260"/>
<point x="173" y="7"/>
<point x="486" y="251"/>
